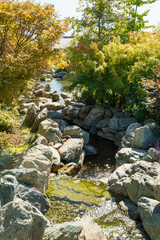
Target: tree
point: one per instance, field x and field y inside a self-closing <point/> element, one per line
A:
<point x="134" y="21"/>
<point x="28" y="32"/>
<point x="97" y="21"/>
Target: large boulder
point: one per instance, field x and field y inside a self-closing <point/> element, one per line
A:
<point x="40" y="117"/>
<point x="50" y="130"/>
<point x="30" y="116"/>
<point x="142" y="138"/>
<point x="65" y="95"/>
<point x="149" y="210"/>
<point x="76" y="132"/>
<point x="55" y="97"/>
<point x="137" y="180"/>
<point x="71" y="112"/>
<point x="84" y="229"/>
<point x="52" y="106"/>
<point x="127" y="139"/>
<point x="20" y="220"/>
<point x="97" y="112"/>
<point x="63" y="231"/>
<point x="25" y="175"/>
<point x="70" y="169"/>
<point x="71" y="149"/>
<point x="129" y="155"/>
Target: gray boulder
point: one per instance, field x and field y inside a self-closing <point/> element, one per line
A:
<point x="127" y="139"/>
<point x="136" y="180"/>
<point x="142" y="138"/>
<point x="76" y="132"/>
<point x="63" y="231"/>
<point x="149" y="210"/>
<point x="50" y="130"/>
<point x="20" y="220"/>
<point x="52" y="106"/>
<point x="28" y="176"/>
<point x="71" y="149"/>
<point x="55" y="97"/>
<point x="129" y="155"/>
<point x="65" y="95"/>
<point x="93" y="114"/>
<point x="40" y="117"/>
<point x="103" y="123"/>
<point x="30" y="116"/>
<point x="70" y="169"/>
<point x="47" y="88"/>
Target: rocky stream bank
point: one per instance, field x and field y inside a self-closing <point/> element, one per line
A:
<point x="59" y="150"/>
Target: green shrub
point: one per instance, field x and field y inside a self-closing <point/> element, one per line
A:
<point x="4" y="141"/>
<point x="7" y="121"/>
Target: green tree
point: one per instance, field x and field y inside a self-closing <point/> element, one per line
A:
<point x="133" y="21"/>
<point x="28" y="32"/>
<point x="97" y="20"/>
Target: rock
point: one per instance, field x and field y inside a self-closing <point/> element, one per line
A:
<point x="93" y="129"/>
<point x="136" y="180"/>
<point x="155" y="129"/>
<point x="129" y="155"/>
<point x="39" y="92"/>
<point x="71" y="113"/>
<point x="130" y="208"/>
<point x="71" y="149"/>
<point x="20" y="220"/>
<point x="8" y="187"/>
<point x="54" y="115"/>
<point x="70" y="169"/>
<point x="47" y="88"/>
<point x="80" y="123"/>
<point x="152" y="155"/>
<point x="118" y="138"/>
<point x="65" y="95"/>
<point x="150" y="121"/>
<point x="44" y="100"/>
<point x="149" y="210"/>
<point x="40" y="117"/>
<point x="93" y="114"/>
<point x="114" y="124"/>
<point x="127" y="139"/>
<point x="47" y="94"/>
<point x="142" y="138"/>
<point x="127" y="113"/>
<point x="108" y="113"/>
<point x="6" y="162"/>
<point x="33" y="196"/>
<point x="56" y="167"/>
<point x="63" y="231"/>
<point x="50" y="130"/>
<point x="55" y="97"/>
<point x="105" y="135"/>
<point x="30" y="117"/>
<point x="27" y="106"/>
<point x="90" y="150"/>
<point x="125" y="122"/>
<point x="68" y="101"/>
<point x="91" y="230"/>
<point x="103" y="123"/>
<point x="28" y="176"/>
<point x="76" y="132"/>
<point x="57" y="145"/>
<point x="52" y="106"/>
<point x="38" y="139"/>
<point x="80" y="160"/>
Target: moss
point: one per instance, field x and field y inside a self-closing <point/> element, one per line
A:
<point x="71" y="198"/>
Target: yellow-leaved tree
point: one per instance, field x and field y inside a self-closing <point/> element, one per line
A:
<point x="28" y="32"/>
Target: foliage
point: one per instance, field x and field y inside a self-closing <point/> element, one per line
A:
<point x="114" y="73"/>
<point x="4" y="141"/>
<point x="97" y="21"/>
<point x="101" y="20"/>
<point x="153" y="92"/>
<point x="7" y="120"/>
<point x="28" y="32"/>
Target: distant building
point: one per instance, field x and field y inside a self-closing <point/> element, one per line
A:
<point x="63" y="42"/>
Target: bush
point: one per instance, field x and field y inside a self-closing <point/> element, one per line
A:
<point x="114" y="74"/>
<point x="4" y="141"/>
<point x="7" y="121"/>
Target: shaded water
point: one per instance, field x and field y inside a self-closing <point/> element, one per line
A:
<point x="87" y="193"/>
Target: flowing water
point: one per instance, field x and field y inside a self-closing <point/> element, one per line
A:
<point x="87" y="193"/>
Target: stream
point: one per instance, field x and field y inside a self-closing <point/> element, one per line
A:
<point x="87" y="192"/>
